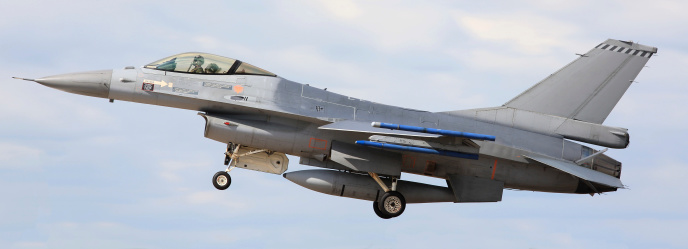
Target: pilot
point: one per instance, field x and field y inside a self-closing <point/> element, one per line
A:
<point x="196" y="64"/>
<point x="212" y="68"/>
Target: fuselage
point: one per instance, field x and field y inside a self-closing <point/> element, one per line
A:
<point x="527" y="143"/>
<point x="281" y="115"/>
<point x="272" y="113"/>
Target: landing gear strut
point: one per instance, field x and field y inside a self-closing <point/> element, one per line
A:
<point x="392" y="203"/>
<point x="221" y="179"/>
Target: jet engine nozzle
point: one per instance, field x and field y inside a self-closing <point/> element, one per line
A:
<point x="93" y="83"/>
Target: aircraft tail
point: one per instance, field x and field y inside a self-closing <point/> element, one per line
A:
<point x="588" y="88"/>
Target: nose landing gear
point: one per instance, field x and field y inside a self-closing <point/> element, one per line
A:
<point x="221" y="179"/>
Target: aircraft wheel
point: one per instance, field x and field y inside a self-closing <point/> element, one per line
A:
<point x="392" y="204"/>
<point x="378" y="212"/>
<point x="222" y="180"/>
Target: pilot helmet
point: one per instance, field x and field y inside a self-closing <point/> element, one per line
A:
<point x="198" y="60"/>
<point x="212" y="68"/>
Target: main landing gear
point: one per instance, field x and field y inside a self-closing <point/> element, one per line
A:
<point x="392" y="203"/>
<point x="221" y="179"/>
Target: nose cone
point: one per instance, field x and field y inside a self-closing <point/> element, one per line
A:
<point x="94" y="83"/>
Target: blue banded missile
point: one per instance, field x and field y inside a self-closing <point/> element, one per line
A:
<point x="434" y="131"/>
<point x="418" y="149"/>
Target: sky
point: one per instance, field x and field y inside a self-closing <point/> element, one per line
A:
<point x="80" y="172"/>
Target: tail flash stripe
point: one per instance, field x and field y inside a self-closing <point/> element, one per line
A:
<point x="619" y="49"/>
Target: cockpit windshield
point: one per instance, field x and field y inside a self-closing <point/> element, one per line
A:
<point x="202" y="63"/>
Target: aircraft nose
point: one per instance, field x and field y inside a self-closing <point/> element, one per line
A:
<point x="93" y="83"/>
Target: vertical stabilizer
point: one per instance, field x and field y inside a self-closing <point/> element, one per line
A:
<point x="588" y="88"/>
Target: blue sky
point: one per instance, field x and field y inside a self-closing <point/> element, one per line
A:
<point x="79" y="172"/>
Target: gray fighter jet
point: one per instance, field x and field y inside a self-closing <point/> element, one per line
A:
<point x="362" y="147"/>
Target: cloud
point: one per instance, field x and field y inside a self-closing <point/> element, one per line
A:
<point x="175" y="171"/>
<point x="387" y="25"/>
<point x="506" y="62"/>
<point x="311" y="63"/>
<point x="654" y="182"/>
<point x="661" y="92"/>
<point x="654" y="233"/>
<point x="14" y="156"/>
<point x="556" y="5"/>
<point x="105" y="234"/>
<point x="45" y="110"/>
<point x="345" y="9"/>
<point x="527" y="33"/>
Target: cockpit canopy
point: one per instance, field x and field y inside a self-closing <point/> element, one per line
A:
<point x="203" y="63"/>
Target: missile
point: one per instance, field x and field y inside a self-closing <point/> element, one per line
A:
<point x="363" y="187"/>
<point x="418" y="149"/>
<point x="434" y="131"/>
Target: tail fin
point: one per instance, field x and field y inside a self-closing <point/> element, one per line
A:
<point x="588" y="88"/>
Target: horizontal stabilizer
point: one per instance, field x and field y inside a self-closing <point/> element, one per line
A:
<point x="364" y="127"/>
<point x="579" y="171"/>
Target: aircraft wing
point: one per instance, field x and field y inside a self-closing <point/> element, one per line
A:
<point x="578" y="171"/>
<point x="364" y="127"/>
<point x="418" y="139"/>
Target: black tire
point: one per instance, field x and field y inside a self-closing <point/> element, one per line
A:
<point x="392" y="204"/>
<point x="378" y="212"/>
<point x="222" y="180"/>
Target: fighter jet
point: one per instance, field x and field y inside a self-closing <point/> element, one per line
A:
<point x="535" y="141"/>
